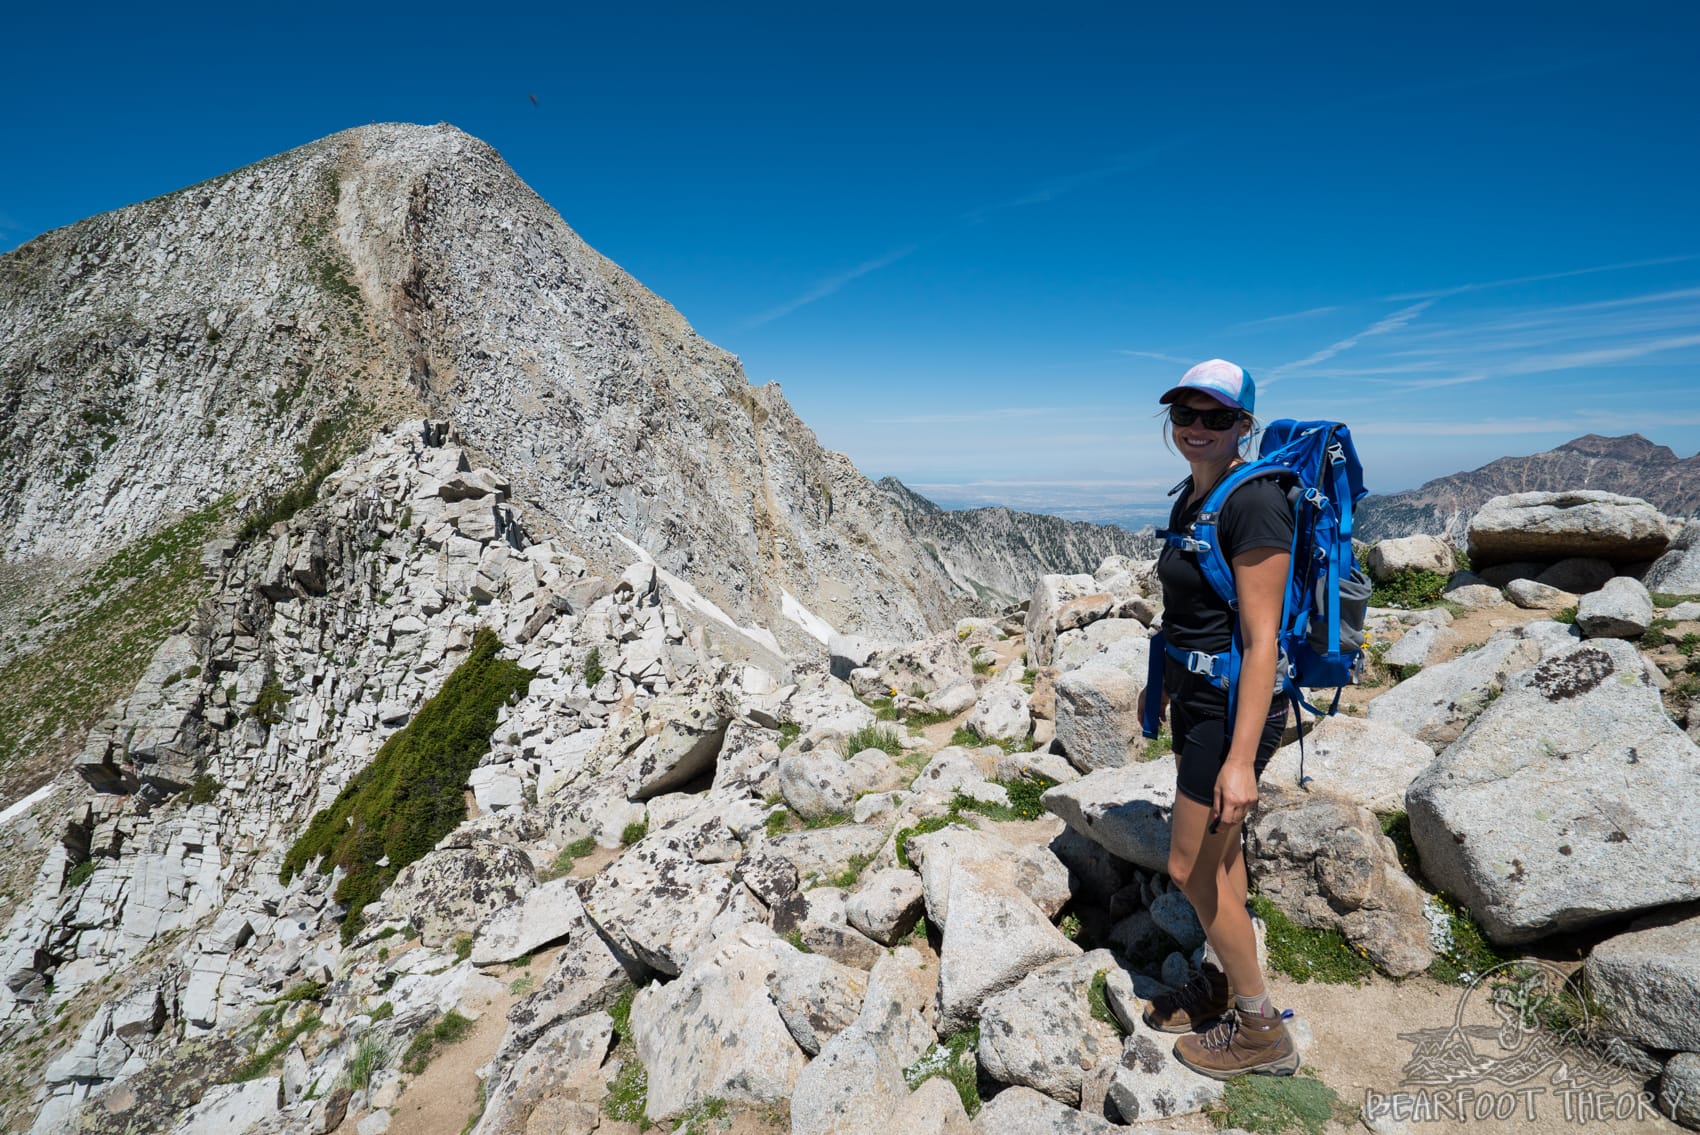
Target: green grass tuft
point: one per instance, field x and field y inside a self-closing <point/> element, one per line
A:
<point x="789" y="731"/>
<point x="570" y="854"/>
<point x="1270" y="1105"/>
<point x="1396" y="826"/>
<point x="1654" y="636"/>
<point x="1309" y="955"/>
<point x="450" y="1028"/>
<point x="924" y="827"/>
<point x="205" y="789"/>
<point x="1566" y="616"/>
<point x="81" y="874"/>
<point x="874" y="737"/>
<point x="1463" y="952"/>
<point x="410" y="796"/>
<point x="953" y="1058"/>
<point x="633" y="832"/>
<point x="1098" y="1000"/>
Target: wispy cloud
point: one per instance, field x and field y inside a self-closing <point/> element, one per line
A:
<point x="1382" y="326"/>
<point x="831" y="285"/>
<point x="1582" y="421"/>
<point x="1158" y="355"/>
<point x="1549" y="363"/>
<point x="1274" y="320"/>
<point x="1000" y="414"/>
<point x="1460" y="289"/>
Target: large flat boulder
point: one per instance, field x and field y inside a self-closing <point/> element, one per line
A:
<point x="1553" y="811"/>
<point x="1555" y="526"/>
<point x="1436" y="705"/>
<point x="657" y="903"/>
<point x="1369" y="762"/>
<point x="1126" y="811"/>
<point x="453" y="890"/>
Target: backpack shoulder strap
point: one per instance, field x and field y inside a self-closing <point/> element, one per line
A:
<point x="1213" y="558"/>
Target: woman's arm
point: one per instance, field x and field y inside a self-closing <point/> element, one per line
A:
<point x="1260" y="579"/>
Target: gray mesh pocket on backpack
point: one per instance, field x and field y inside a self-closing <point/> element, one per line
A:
<point x="1354" y="609"/>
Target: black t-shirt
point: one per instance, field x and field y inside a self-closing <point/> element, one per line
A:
<point x="1256" y="515"/>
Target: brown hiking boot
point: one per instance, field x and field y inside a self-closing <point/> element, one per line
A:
<point x="1194" y="1005"/>
<point x="1243" y="1042"/>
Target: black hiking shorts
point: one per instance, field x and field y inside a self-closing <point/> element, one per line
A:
<point x="1198" y="722"/>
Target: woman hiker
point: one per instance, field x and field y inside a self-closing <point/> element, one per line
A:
<point x="1230" y="1026"/>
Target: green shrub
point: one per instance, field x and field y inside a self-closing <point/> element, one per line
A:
<point x="628" y="1093"/>
<point x="287" y="503"/>
<point x="1566" y="616"/>
<point x="383" y="1012"/>
<point x="261" y="1062"/>
<point x="789" y="731"/>
<point x="593" y="670"/>
<point x="1309" y="955"/>
<point x="396" y="808"/>
<point x="463" y="947"/>
<point x="1666" y="599"/>
<point x="205" y="789"/>
<point x="873" y="737"/>
<point x="450" y="1028"/>
<point x="1411" y="589"/>
<point x="633" y="832"/>
<point x="80" y="874"/>
<point x="268" y="706"/>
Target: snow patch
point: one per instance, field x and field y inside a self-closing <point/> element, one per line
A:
<point x="817" y="627"/>
<point x="15" y="810"/>
<point x="688" y="596"/>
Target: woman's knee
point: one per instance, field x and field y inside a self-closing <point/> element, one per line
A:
<point x="1182" y="865"/>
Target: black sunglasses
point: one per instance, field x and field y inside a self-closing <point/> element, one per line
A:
<point x="1213" y="419"/>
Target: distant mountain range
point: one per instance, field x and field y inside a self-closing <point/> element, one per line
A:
<point x="990" y="551"/>
<point x="1630" y="465"/>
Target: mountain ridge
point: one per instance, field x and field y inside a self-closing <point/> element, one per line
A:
<point x="1630" y="465"/>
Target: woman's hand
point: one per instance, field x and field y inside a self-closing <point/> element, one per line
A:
<point x="1236" y="792"/>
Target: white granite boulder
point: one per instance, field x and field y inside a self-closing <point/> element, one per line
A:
<point x="1001" y="712"/>
<point x="1325" y="862"/>
<point x="1040" y="1032"/>
<point x="451" y="891"/>
<point x="715" y="1031"/>
<point x="1620" y="609"/>
<point x="1409" y="553"/>
<point x="1097" y="715"/>
<point x="1553" y="526"/>
<point x="1127" y="811"/>
<point x="1365" y="760"/>
<point x="1649" y="981"/>
<point x="1552" y="811"/>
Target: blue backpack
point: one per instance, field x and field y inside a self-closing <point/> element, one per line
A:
<point x="1327" y="596"/>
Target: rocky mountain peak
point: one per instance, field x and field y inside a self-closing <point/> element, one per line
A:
<point x="1630" y="447"/>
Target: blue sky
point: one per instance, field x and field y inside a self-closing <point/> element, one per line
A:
<point x="974" y="242"/>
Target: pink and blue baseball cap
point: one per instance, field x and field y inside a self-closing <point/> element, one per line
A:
<point x="1229" y="384"/>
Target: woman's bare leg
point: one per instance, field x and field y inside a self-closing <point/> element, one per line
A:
<point x="1210" y="870"/>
